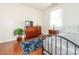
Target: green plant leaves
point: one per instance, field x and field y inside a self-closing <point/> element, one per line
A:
<point x="18" y="31"/>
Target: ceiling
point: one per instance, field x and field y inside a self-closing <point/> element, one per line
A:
<point x="40" y="6"/>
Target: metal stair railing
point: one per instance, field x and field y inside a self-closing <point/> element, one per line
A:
<point x="47" y="45"/>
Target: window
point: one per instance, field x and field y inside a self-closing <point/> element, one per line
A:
<point x="56" y="18"/>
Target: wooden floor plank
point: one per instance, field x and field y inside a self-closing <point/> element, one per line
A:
<point x="14" y="48"/>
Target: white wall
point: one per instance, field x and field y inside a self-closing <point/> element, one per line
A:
<point x="12" y="16"/>
<point x="71" y="17"/>
<point x="70" y="14"/>
<point x="46" y="17"/>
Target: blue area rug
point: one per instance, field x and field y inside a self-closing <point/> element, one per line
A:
<point x="31" y="45"/>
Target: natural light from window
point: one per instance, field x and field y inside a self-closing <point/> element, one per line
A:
<point x="56" y="18"/>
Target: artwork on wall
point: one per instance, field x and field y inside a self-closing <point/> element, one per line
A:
<point x="28" y="23"/>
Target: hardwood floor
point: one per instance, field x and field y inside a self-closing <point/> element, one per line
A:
<point x="10" y="48"/>
<point x="14" y="48"/>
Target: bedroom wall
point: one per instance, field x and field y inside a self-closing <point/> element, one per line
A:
<point x="12" y="16"/>
<point x="46" y="17"/>
<point x="70" y="16"/>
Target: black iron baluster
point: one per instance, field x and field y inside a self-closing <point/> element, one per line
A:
<point x="55" y="45"/>
<point x="42" y="47"/>
<point x="45" y="48"/>
<point x="51" y="45"/>
<point x="67" y="48"/>
<point x="48" y="44"/>
<point x="75" y="49"/>
<point x="60" y="46"/>
<point x="45" y="44"/>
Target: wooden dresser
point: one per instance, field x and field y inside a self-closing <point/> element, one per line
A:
<point x="53" y="31"/>
<point x="31" y="32"/>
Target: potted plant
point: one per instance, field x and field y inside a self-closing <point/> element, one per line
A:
<point x="18" y="32"/>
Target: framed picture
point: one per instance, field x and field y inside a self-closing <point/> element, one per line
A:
<point x="28" y="23"/>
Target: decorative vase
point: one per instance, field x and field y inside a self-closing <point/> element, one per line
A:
<point x="19" y="38"/>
